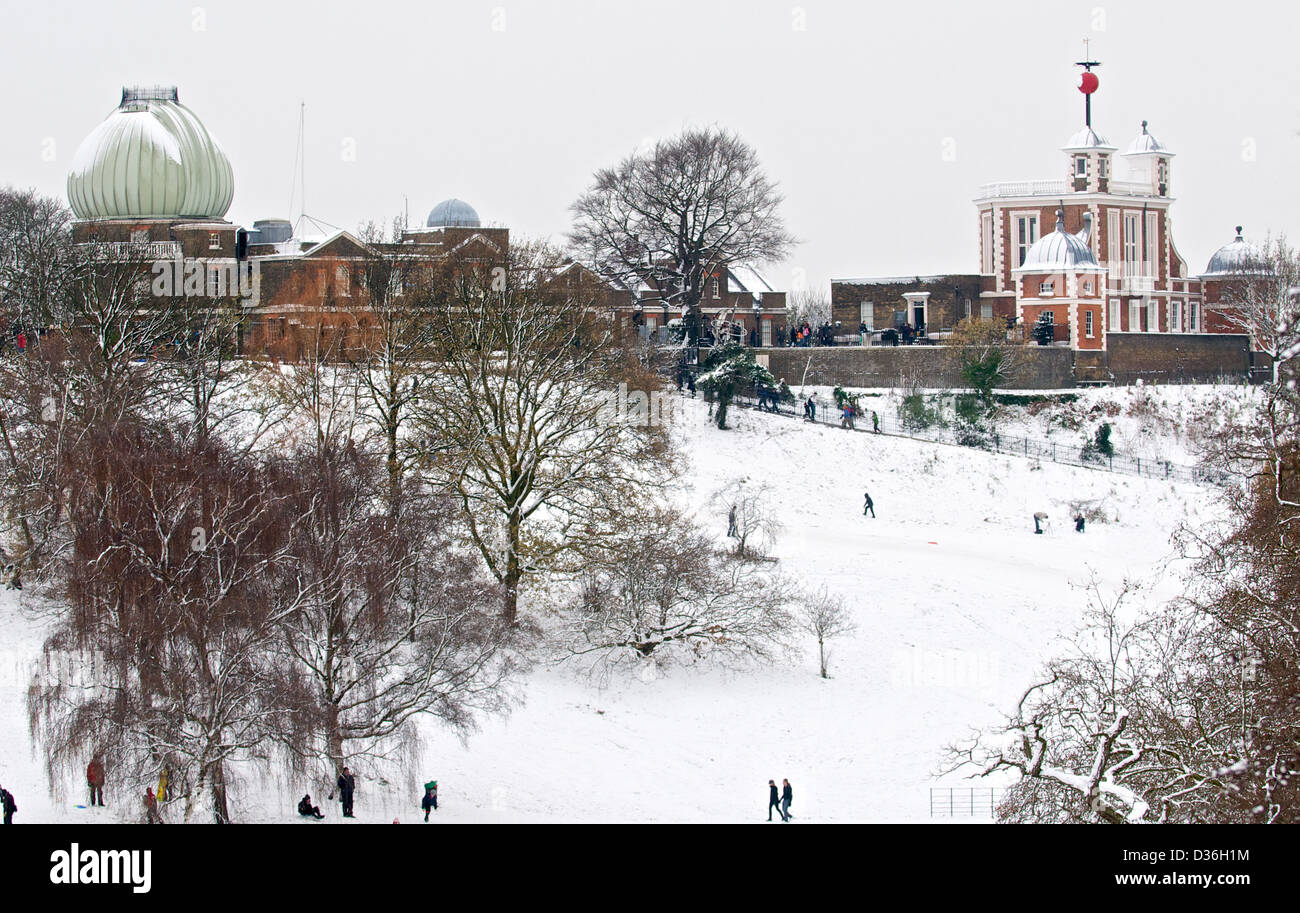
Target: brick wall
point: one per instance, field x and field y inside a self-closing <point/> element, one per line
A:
<point x="1174" y="358"/>
<point x="892" y="366"/>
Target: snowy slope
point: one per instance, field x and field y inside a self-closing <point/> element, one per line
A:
<point x="957" y="603"/>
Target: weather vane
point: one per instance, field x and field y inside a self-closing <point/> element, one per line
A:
<point x="1088" y="82"/>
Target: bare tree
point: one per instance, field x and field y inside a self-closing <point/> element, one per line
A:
<point x="679" y="214"/>
<point x="751" y="517"/>
<point x="394" y="621"/>
<point x="516" y="420"/>
<point x="824" y="616"/>
<point x="1264" y="303"/>
<point x="179" y="577"/>
<point x="666" y="590"/>
<point x="810" y="304"/>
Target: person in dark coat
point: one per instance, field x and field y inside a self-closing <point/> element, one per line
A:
<point x="430" y="800"/>
<point x="346" y="786"/>
<point x="95" y="779"/>
<point x="306" y="809"/>
<point x="731" y="523"/>
<point x="868" y="505"/>
<point x="8" y="805"/>
<point x="787" y="796"/>
<point x="1079" y="523"/>
<point x="773" y="800"/>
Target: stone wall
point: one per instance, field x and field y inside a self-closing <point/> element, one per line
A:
<point x="1151" y="357"/>
<point x="1176" y="358"/>
<point x="1045" y="368"/>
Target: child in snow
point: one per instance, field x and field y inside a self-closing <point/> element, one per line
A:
<point x="430" y="800"/>
<point x="306" y="809"/>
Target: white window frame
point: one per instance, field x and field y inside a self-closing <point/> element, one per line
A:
<point x="766" y="332"/>
<point x="214" y="240"/>
<point x="1152" y="253"/>
<point x="986" y="242"/>
<point x="867" y="315"/>
<point x="1153" y="316"/>
<point x="986" y="310"/>
<point x="1019" y="222"/>
<point x="1047" y="289"/>
<point x="343" y="280"/>
<point x="1088" y="323"/>
<point x="1132" y="245"/>
<point x="716" y="288"/>
<point x="1116" y="312"/>
<point x="1113" y="261"/>
<point x="1135" y="315"/>
<point x="1081" y="166"/>
<point x="1193" y="316"/>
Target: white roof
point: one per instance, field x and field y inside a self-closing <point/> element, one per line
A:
<point x="1085" y="139"/>
<point x="1144" y="144"/>
<point x="1060" y="252"/>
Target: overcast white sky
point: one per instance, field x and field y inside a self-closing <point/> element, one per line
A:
<point x="511" y="104"/>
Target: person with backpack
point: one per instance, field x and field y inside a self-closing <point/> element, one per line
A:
<point x="430" y="801"/>
<point x="8" y="805"/>
<point x="773" y="800"/>
<point x="306" y="809"/>
<point x="95" y="780"/>
<point x="787" y="797"/>
<point x="346" y="787"/>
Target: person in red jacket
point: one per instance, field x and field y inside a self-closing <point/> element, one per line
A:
<point x="95" y="778"/>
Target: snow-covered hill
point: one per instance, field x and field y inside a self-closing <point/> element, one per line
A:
<point x="957" y="603"/>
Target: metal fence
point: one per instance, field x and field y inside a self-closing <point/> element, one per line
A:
<point x="939" y="431"/>
<point x="965" y="801"/>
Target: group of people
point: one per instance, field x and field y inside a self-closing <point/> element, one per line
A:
<point x="779" y="800"/>
<point x="768" y="397"/>
<point x="347" y="790"/>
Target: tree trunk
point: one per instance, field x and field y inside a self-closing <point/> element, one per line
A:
<point x="821" y="653"/>
<point x="514" y="570"/>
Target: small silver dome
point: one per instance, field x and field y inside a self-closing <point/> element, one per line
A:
<point x="1085" y="139"/>
<point x="1235" y="259"/>
<point x="452" y="213"/>
<point x="1059" y="252"/>
<point x="1144" y="143"/>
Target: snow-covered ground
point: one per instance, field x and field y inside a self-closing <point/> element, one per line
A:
<point x="957" y="604"/>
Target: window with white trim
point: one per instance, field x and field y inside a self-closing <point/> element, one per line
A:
<point x="716" y="288"/>
<point x="1134" y="315"/>
<point x="343" y="281"/>
<point x="1132" y="250"/>
<point x="1087" y="322"/>
<point x="1026" y="235"/>
<point x="1114" y="322"/>
<point x="214" y="240"/>
<point x="1046" y="289"/>
<point x="1194" y="316"/>
<point x="986" y="242"/>
<point x="867" y="314"/>
<point x="986" y="310"/>
<point x="1153" y="317"/>
<point x="1152" y="265"/>
<point x="1080" y="166"/>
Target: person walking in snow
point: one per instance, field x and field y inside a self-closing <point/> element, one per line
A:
<point x="306" y="809"/>
<point x="731" y="523"/>
<point x="430" y="800"/>
<point x="1078" y="523"/>
<point x="1039" y="518"/>
<point x="773" y="800"/>
<point x="875" y="422"/>
<point x="868" y="505"/>
<point x="346" y="787"/>
<point x="8" y="805"/>
<point x="151" y="814"/>
<point x="787" y="796"/>
<point x="95" y="780"/>
<point x="810" y="409"/>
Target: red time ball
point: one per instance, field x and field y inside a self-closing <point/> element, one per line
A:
<point x="1088" y="83"/>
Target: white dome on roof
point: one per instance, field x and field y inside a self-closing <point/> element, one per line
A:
<point x="1059" y="252"/>
<point x="1235" y="259"/>
<point x="452" y="213"/>
<point x="151" y="158"/>
<point x="1145" y="143"/>
<point x="1087" y="138"/>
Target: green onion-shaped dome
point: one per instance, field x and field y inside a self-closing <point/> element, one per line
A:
<point x="152" y="158"/>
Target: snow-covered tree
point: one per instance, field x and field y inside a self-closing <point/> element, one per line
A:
<point x="514" y="419"/>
